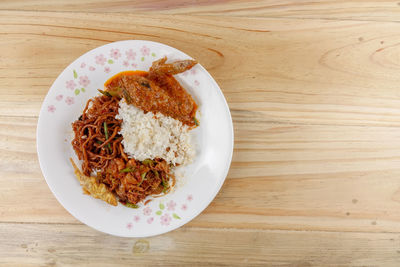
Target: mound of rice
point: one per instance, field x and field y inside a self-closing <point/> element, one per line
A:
<point x="154" y="136"/>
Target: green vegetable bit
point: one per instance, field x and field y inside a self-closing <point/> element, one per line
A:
<point x="131" y="205"/>
<point x="127" y="170"/>
<point x="114" y="93"/>
<point x="110" y="93"/>
<point x="165" y="184"/>
<point x="106" y="134"/>
<point x="156" y="173"/>
<point x="147" y="161"/>
<point x="196" y="121"/>
<point x="127" y="96"/>
<point x="143" y="175"/>
<point x="105" y="129"/>
<point x="104" y="93"/>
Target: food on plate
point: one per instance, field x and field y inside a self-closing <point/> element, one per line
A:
<point x="149" y="136"/>
<point x="157" y="90"/>
<point x="132" y="136"/>
<point x="91" y="187"/>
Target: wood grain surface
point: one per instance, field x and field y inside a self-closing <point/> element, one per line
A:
<point x="313" y="89"/>
<point x="371" y="10"/>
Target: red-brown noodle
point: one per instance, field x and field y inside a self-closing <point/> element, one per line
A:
<point x="131" y="180"/>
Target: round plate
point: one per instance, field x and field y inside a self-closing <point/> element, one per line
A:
<point x="197" y="183"/>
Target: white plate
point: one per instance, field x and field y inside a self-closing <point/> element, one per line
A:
<point x="201" y="180"/>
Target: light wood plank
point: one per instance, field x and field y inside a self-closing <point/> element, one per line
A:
<point x="372" y="10"/>
<point x="60" y="245"/>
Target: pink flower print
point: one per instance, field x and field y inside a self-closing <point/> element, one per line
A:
<point x="136" y="218"/>
<point x="126" y="63"/>
<point x="83" y="64"/>
<point x="171" y="205"/>
<point x="184" y="207"/>
<point x="147" y="211"/>
<point x="185" y="73"/>
<point x="196" y="82"/>
<point x="59" y="97"/>
<point x="107" y="69"/>
<point x="130" y="55"/>
<point x="165" y="219"/>
<point x="193" y="71"/>
<point x="100" y="59"/>
<point x="129" y="226"/>
<point x="189" y="198"/>
<point x="92" y="68"/>
<point x="84" y="81"/>
<point x="150" y="220"/>
<point x="115" y="54"/>
<point x="145" y="51"/>
<point x="69" y="100"/>
<point x="71" y="84"/>
<point x="51" y="108"/>
<point x="134" y="65"/>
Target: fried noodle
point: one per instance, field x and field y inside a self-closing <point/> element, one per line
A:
<point x="97" y="143"/>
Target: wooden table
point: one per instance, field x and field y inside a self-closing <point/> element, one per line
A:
<point x="314" y="91"/>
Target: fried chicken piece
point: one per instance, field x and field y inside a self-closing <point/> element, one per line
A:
<point x="158" y="90"/>
<point x="161" y="74"/>
<point x="160" y="67"/>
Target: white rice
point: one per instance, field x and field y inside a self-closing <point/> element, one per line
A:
<point x="150" y="135"/>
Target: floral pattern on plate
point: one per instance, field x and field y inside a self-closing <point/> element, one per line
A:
<point x="166" y="213"/>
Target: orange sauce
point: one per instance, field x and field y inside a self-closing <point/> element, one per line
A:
<point x="128" y="72"/>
